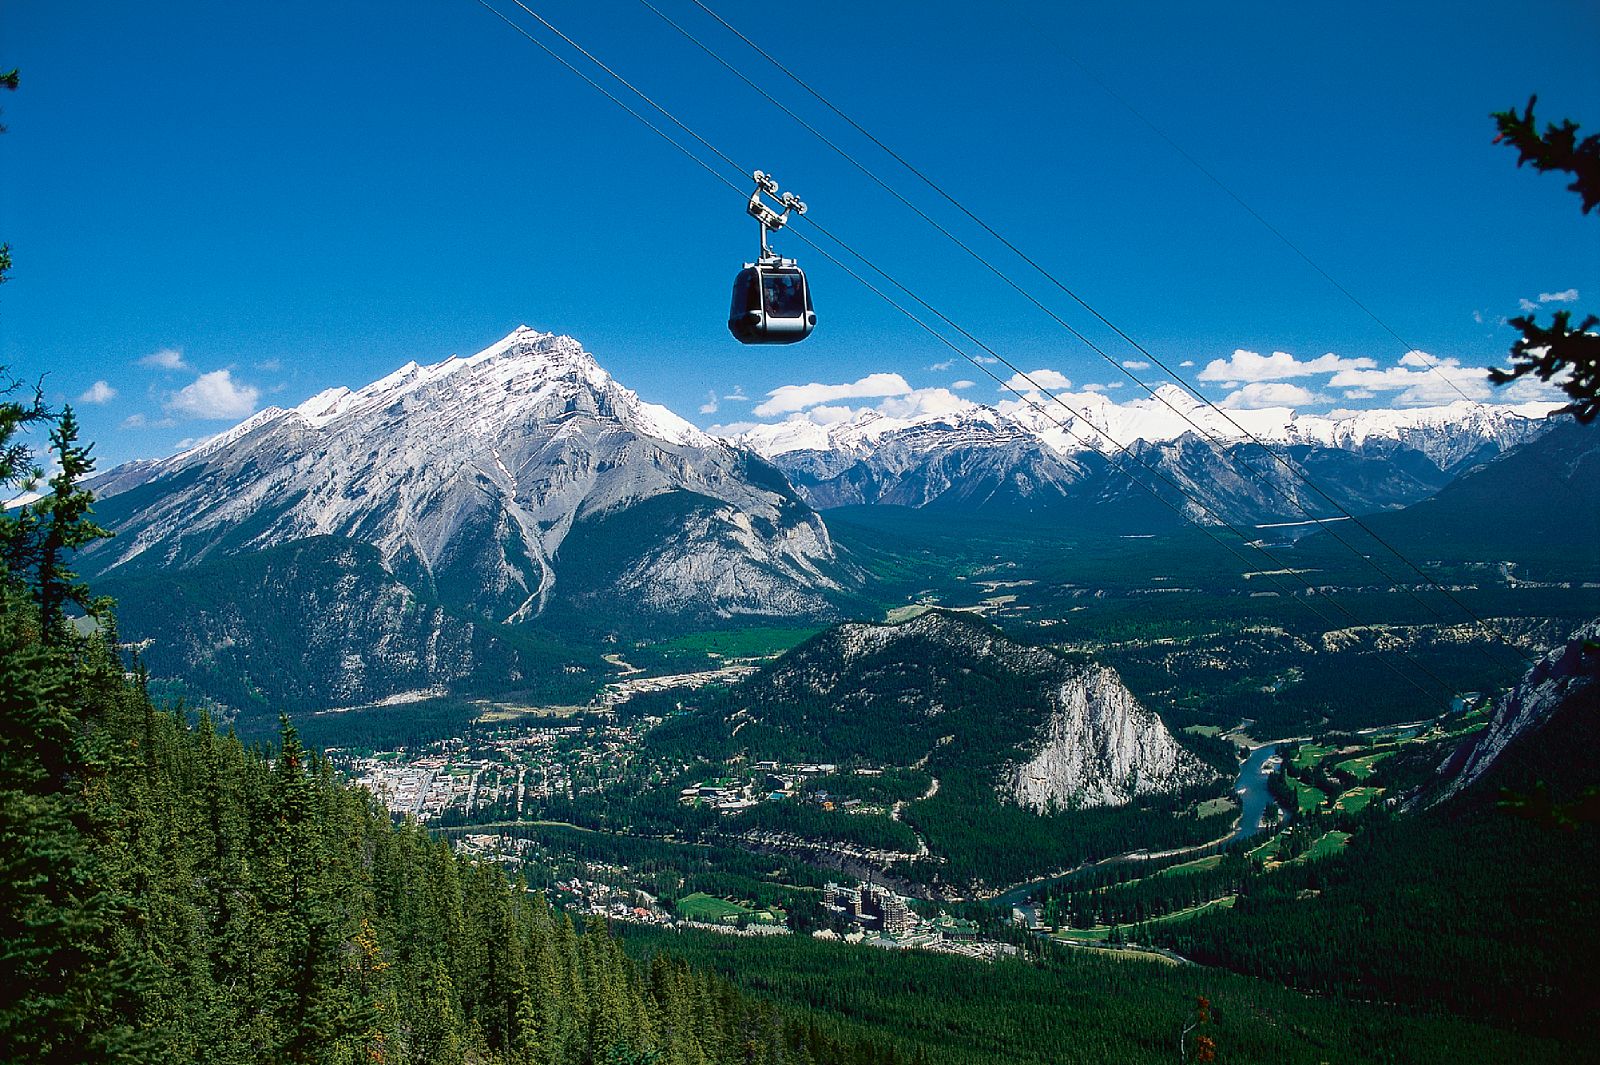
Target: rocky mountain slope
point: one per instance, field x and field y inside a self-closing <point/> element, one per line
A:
<point x="519" y="483"/>
<point x="990" y="458"/>
<point x="1567" y="680"/>
<point x="1004" y="721"/>
<point x="1099" y="747"/>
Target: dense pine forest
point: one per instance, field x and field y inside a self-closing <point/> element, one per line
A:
<point x="168" y="894"/>
<point x="1466" y="906"/>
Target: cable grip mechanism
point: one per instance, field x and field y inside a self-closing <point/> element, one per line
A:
<point x="769" y="219"/>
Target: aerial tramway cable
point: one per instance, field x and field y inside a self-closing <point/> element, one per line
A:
<point x="1024" y="397"/>
<point x="1293" y="468"/>
<point x="1406" y="347"/>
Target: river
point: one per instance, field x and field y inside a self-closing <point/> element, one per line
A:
<point x="1251" y="787"/>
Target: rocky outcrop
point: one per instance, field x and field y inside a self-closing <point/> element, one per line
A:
<point x="1560" y="676"/>
<point x="1100" y="747"/>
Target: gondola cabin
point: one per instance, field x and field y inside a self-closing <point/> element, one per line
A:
<point x="771" y="304"/>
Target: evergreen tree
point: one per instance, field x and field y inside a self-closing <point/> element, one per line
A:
<point x="1559" y="348"/>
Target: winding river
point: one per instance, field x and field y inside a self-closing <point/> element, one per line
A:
<point x="1251" y="787"/>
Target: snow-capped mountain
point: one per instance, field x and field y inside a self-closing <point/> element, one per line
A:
<point x="1018" y="456"/>
<point x="518" y="481"/>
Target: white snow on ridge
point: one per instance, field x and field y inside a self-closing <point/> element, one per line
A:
<point x="1087" y="421"/>
<point x="518" y="370"/>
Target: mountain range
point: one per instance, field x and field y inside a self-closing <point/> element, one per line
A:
<point x="487" y="522"/>
<point x="463" y="500"/>
<point x="1081" y="459"/>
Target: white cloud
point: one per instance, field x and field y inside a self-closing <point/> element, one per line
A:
<point x="99" y="392"/>
<point x="165" y="359"/>
<point x="270" y="365"/>
<point x="1477" y="316"/>
<point x="736" y="396"/>
<point x="1186" y="363"/>
<point x="787" y="398"/>
<point x="924" y="401"/>
<point x="1419" y="381"/>
<point x="140" y="421"/>
<point x="214" y="395"/>
<point x="1527" y="306"/>
<point x="1116" y="384"/>
<point x="1568" y="295"/>
<point x="941" y="367"/>
<point x="829" y="414"/>
<point x="1280" y="365"/>
<point x="710" y="405"/>
<point x="1360" y="393"/>
<point x="963" y="383"/>
<point x="1270" y="394"/>
<point x="985" y="360"/>
<point x="1054" y="380"/>
<point x="1135" y="364"/>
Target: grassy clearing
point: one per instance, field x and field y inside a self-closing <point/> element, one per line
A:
<point x="1357" y="799"/>
<point x="1310" y="754"/>
<point x="906" y="613"/>
<point x="702" y="907"/>
<point x="737" y="643"/>
<point x="1199" y="865"/>
<point x="1309" y="798"/>
<point x="1266" y="852"/>
<point x="1216" y="807"/>
<point x="1100" y="933"/>
<point x="708" y="908"/>
<point x="1363" y="767"/>
<point x="1204" y="730"/>
<point x="1327" y="844"/>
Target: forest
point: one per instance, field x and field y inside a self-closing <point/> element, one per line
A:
<point x="168" y="894"/>
<point x="1480" y="905"/>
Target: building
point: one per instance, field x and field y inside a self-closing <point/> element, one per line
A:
<point x="870" y="906"/>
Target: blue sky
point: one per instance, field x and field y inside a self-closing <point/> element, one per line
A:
<point x="218" y="207"/>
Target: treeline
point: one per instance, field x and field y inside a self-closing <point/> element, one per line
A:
<point x="1149" y="897"/>
<point x="1004" y="844"/>
<point x="169" y="895"/>
<point x="1074" y="1005"/>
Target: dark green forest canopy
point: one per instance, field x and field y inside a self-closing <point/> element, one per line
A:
<point x="169" y="895"/>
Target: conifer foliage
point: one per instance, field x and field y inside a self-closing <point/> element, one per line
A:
<point x="1570" y="354"/>
<point x="167" y="894"/>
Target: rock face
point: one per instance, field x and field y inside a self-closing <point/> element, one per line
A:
<point x="1564" y="675"/>
<point x="998" y="720"/>
<point x="469" y="477"/>
<point x="986" y="458"/>
<point x="1100" y="748"/>
<point x="520" y="484"/>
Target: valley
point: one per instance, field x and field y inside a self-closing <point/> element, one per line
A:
<point x="662" y="684"/>
<point x="1114" y="581"/>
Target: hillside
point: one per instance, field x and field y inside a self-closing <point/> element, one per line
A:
<point x="1037" y="759"/>
<point x="521" y="486"/>
<point x="1478" y="905"/>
